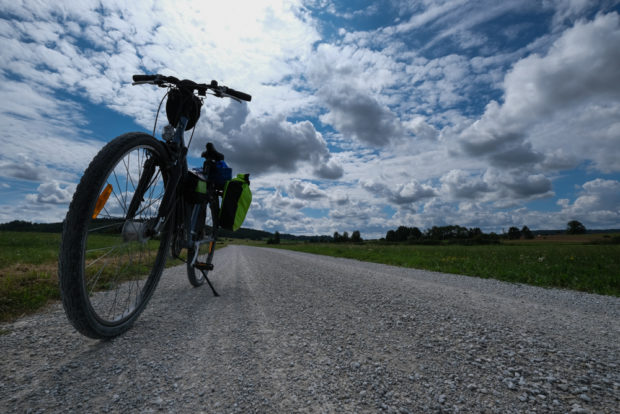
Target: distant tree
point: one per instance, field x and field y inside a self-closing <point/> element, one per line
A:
<point x="447" y="232"/>
<point x="402" y="233"/>
<point x="337" y="237"/>
<point x="434" y="233"/>
<point x="527" y="233"/>
<point x="514" y="233"/>
<point x="414" y="233"/>
<point x="345" y="237"/>
<point x="356" y="236"/>
<point x="275" y="239"/>
<point x="575" y="227"/>
<point x="390" y="236"/>
<point x="475" y="232"/>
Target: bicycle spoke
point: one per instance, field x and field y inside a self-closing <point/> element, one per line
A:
<point x="107" y="226"/>
<point x="122" y="203"/>
<point x="100" y="257"/>
<point x="93" y="283"/>
<point x="126" y="164"/>
<point x="139" y="213"/>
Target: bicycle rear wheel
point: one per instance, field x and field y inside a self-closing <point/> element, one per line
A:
<point x="205" y="254"/>
<point x="109" y="265"/>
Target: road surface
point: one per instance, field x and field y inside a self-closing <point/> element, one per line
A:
<point x="294" y="332"/>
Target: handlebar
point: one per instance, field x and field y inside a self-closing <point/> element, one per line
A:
<point x="219" y="91"/>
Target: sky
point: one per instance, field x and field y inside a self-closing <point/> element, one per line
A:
<point x="366" y="115"/>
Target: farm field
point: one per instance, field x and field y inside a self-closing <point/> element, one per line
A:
<point x="562" y="263"/>
<point x="29" y="271"/>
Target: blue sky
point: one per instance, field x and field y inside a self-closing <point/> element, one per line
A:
<point x="365" y="115"/>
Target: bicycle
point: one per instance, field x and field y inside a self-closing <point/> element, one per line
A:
<point x="133" y="207"/>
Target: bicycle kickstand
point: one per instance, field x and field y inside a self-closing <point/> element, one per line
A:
<point x="209" y="282"/>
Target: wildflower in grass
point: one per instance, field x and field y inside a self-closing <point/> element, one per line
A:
<point x="541" y="259"/>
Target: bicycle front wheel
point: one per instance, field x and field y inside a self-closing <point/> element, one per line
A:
<point x="109" y="263"/>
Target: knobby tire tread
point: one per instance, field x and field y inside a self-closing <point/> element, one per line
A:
<point x="70" y="266"/>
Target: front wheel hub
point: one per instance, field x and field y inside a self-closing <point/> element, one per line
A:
<point x="135" y="231"/>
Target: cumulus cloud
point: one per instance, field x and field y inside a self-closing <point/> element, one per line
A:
<point x="421" y="129"/>
<point x="274" y="144"/>
<point x="22" y="168"/>
<point x="578" y="72"/>
<point x="513" y="185"/>
<point x="52" y="192"/>
<point x="400" y="194"/>
<point x="266" y="144"/>
<point x="305" y="190"/>
<point x="598" y="204"/>
<point x="330" y="170"/>
<point x="462" y="185"/>
<point x="360" y="116"/>
<point x="349" y="81"/>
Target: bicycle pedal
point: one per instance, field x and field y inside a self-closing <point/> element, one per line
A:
<point x="203" y="266"/>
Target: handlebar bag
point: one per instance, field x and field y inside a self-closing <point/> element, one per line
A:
<point x="183" y="104"/>
<point x="235" y="202"/>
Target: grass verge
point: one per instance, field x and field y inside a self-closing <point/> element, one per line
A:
<point x="29" y="272"/>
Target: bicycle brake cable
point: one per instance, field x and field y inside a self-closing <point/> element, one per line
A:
<point x="158" y="109"/>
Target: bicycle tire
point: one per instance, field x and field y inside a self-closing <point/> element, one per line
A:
<point x="100" y="262"/>
<point x="198" y="277"/>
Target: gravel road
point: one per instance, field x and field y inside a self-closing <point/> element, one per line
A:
<point x="294" y="332"/>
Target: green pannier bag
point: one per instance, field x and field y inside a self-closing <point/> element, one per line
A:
<point x="235" y="202"/>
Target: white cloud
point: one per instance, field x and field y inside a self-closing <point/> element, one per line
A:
<point x="597" y="205"/>
<point x="305" y="190"/>
<point x="41" y="135"/>
<point x="578" y="74"/>
<point x="52" y="192"/>
<point x="400" y="194"/>
<point x="462" y="185"/>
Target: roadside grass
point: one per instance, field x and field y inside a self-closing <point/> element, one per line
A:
<point x="585" y="267"/>
<point x="29" y="271"/>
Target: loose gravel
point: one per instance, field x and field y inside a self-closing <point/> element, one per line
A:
<point x="294" y="332"/>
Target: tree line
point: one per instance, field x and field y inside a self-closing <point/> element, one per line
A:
<point x="438" y="234"/>
<point x="474" y="235"/>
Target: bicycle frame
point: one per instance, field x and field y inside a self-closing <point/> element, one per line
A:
<point x="173" y="203"/>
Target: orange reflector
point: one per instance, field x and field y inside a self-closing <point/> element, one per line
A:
<point x="103" y="198"/>
<point x="211" y="247"/>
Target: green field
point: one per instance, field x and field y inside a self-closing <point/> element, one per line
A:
<point x="29" y="270"/>
<point x="593" y="268"/>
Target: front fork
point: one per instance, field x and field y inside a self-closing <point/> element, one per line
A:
<point x="176" y="168"/>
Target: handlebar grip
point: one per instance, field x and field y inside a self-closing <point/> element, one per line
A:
<point x="240" y="95"/>
<point x="144" y="78"/>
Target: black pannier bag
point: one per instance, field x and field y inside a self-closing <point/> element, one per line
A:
<point x="235" y="202"/>
<point x="195" y="187"/>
